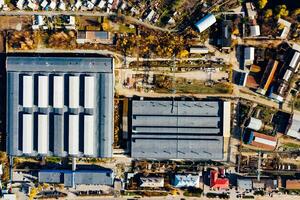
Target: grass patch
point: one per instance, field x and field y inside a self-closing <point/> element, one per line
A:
<point x="297" y="103"/>
<point x="193" y="192"/>
<point x="164" y="84"/>
<point x="291" y="145"/>
<point x="53" y="159"/>
<point x="125" y="29"/>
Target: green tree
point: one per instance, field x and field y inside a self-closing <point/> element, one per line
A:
<point x="262" y="3"/>
<point x="268" y="13"/>
<point x="281" y="11"/>
<point x="296" y="12"/>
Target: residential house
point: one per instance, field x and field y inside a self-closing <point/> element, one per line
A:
<point x="152" y="182"/>
<point x="53" y="4"/>
<point x="20" y="4"/>
<point x="94" y="37"/>
<point x="248" y="55"/>
<point x="62" y="5"/>
<point x="217" y="182"/>
<point x="186" y="180"/>
<point x="251" y="11"/>
<point x="254" y="31"/>
<point x="286" y="28"/>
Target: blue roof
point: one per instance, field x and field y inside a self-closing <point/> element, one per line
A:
<point x="186" y="180"/>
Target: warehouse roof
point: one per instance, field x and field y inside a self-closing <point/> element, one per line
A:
<point x="205" y="22"/>
<point x="59" y="64"/>
<point x="178" y="129"/>
<point x="49" y="106"/>
<point x="294" y="130"/>
<point x="80" y="177"/>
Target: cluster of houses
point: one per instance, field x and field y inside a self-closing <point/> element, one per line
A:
<point x="253" y="134"/>
<point x="105" y="5"/>
<point x="217" y="181"/>
<point x="275" y="76"/>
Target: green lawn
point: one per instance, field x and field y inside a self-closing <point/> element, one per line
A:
<point x="297" y="103"/>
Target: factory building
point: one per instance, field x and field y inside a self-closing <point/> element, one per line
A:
<point x="60" y="106"/>
<point x="205" y="22"/>
<point x="179" y="129"/>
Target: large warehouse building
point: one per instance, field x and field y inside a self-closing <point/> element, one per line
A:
<point x="179" y="129"/>
<point x="60" y="106"/>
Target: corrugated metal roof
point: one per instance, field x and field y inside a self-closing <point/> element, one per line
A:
<point x="73" y="134"/>
<point x="43" y="133"/>
<point x="27" y="129"/>
<point x="27" y="91"/>
<point x="58" y="91"/>
<point x="205" y="22"/>
<point x="59" y="64"/>
<point x="295" y="60"/>
<point x="245" y="184"/>
<point x="177" y="129"/>
<point x="89" y="92"/>
<point x="85" y="177"/>
<point x="73" y="91"/>
<point x="58" y="108"/>
<point x="294" y="130"/>
<point x="43" y="91"/>
<point x="89" y="134"/>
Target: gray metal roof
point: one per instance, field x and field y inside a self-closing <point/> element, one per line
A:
<point x="245" y="184"/>
<point x="79" y="177"/>
<point x="177" y="129"/>
<point x="58" y="126"/>
<point x="59" y="64"/>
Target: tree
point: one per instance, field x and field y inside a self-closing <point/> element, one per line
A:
<point x="296" y="12"/>
<point x="268" y="13"/>
<point x="281" y="11"/>
<point x="262" y="3"/>
<point x="33" y="193"/>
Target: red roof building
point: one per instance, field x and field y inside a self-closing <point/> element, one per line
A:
<point x="216" y="182"/>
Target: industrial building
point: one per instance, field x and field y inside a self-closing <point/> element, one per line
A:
<point x="225" y="39"/>
<point x="294" y="128"/>
<point x="285" y="75"/>
<point x="205" y="22"/>
<point x="60" y="106"/>
<point x="268" y="77"/>
<point x="79" y="177"/>
<point x="179" y="129"/>
<point x="260" y="140"/>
